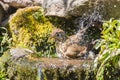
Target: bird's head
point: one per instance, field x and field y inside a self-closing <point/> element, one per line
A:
<point x="58" y="34"/>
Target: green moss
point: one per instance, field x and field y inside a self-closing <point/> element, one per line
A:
<point x="2" y="75"/>
<point x="3" y="60"/>
<point x="31" y="29"/>
<point x="21" y="70"/>
<point x="3" y="65"/>
<point x="67" y="73"/>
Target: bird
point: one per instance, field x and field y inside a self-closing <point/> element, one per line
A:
<point x="68" y="47"/>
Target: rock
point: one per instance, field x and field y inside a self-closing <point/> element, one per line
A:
<point x="75" y="8"/>
<point x="5" y="6"/>
<point x="6" y="11"/>
<point x="2" y="12"/>
<point x="30" y="28"/>
<point x="54" y="7"/>
<point x="20" y="52"/>
<point x="62" y="7"/>
<point x="70" y="8"/>
<point x="49" y="69"/>
<point x="23" y="3"/>
<point x="111" y="9"/>
<point x="3" y="59"/>
<point x="32" y="68"/>
<point x="37" y="2"/>
<point x="5" y="22"/>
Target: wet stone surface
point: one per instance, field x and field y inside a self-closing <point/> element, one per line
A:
<point x="56" y="62"/>
<point x="49" y="69"/>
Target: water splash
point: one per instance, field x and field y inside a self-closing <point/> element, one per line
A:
<point x="87" y="22"/>
<point x="89" y="28"/>
<point x="40" y="74"/>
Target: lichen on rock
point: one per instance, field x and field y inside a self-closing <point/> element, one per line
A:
<point x="30" y="28"/>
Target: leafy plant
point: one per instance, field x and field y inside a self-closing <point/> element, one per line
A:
<point x="109" y="56"/>
<point x="5" y="41"/>
<point x="2" y="75"/>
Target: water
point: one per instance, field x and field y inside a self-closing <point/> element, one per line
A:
<point x="89" y="28"/>
<point x="40" y="74"/>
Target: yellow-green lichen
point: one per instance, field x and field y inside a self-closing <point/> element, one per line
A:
<point x="31" y="29"/>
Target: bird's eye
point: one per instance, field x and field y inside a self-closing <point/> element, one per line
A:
<point x="57" y="35"/>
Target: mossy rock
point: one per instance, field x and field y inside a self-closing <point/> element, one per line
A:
<point x="3" y="59"/>
<point x="31" y="29"/>
<point x="3" y="65"/>
<point x="49" y="69"/>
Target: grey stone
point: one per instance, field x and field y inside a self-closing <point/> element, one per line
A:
<point x="61" y="7"/>
<point x="68" y="8"/>
<point x="1" y="13"/>
<point x="20" y="52"/>
<point x="23" y="3"/>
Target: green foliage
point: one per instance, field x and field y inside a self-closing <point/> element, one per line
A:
<point x="2" y="75"/>
<point x="39" y="16"/>
<point x="3" y="65"/>
<point x="109" y="56"/>
<point x="5" y="40"/>
<point x="5" y="44"/>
